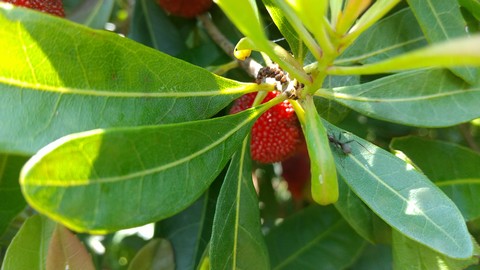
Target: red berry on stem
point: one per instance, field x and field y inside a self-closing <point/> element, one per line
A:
<point x="54" y="7"/>
<point x="185" y="8"/>
<point x="276" y="134"/>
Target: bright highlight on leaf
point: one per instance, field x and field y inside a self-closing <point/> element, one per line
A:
<point x="458" y="52"/>
<point x="75" y="180"/>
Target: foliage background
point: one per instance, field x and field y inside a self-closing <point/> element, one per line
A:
<point x="189" y="231"/>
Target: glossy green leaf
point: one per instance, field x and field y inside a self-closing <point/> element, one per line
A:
<point x="296" y="44"/>
<point x="29" y="248"/>
<point x="324" y="183"/>
<point x="408" y="254"/>
<point x="93" y="13"/>
<point x="151" y="26"/>
<point x="83" y="179"/>
<point x="67" y="252"/>
<point x="454" y="169"/>
<point x="92" y="79"/>
<point x="237" y="240"/>
<point x="389" y="37"/>
<point x="403" y="197"/>
<point x="158" y="254"/>
<point x="315" y="238"/>
<point x="11" y="202"/>
<point x="355" y="212"/>
<point x="431" y="98"/>
<point x="453" y="53"/>
<point x="441" y="21"/>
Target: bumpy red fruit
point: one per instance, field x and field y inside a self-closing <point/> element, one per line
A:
<point x="185" y="8"/>
<point x="276" y="134"/>
<point x="54" y="7"/>
<point x="296" y="171"/>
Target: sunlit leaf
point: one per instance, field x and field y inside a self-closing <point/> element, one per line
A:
<point x="403" y="197"/>
<point x="105" y="180"/>
<point x="431" y="98"/>
<point x="454" y="169"/>
<point x="86" y="79"/>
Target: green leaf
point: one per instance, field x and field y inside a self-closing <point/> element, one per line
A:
<point x="408" y="254"/>
<point x="83" y="180"/>
<point x="67" y="252"/>
<point x="454" y="169"/>
<point x="12" y="201"/>
<point x="324" y="183"/>
<point x="92" y="79"/>
<point x="473" y="6"/>
<point x="245" y="16"/>
<point x="355" y="212"/>
<point x="237" y="241"/>
<point x="297" y="47"/>
<point x="430" y="98"/>
<point x="403" y="197"/>
<point x="189" y="231"/>
<point x="374" y="257"/>
<point x="151" y="26"/>
<point x="456" y="52"/>
<point x="315" y="238"/>
<point x="299" y="28"/>
<point x="441" y="21"/>
<point x="389" y="37"/>
<point x="374" y="13"/>
<point x="29" y="248"/>
<point x="157" y="254"/>
<point x="330" y="109"/>
<point x="93" y="13"/>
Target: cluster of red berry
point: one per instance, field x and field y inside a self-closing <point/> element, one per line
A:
<point x="277" y="135"/>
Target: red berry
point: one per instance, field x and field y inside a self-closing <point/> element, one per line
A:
<point x="54" y="7"/>
<point x="185" y="8"/>
<point x="296" y="171"/>
<point x="276" y="134"/>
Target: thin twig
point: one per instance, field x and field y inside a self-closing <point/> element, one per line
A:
<point x="465" y="130"/>
<point x="249" y="65"/>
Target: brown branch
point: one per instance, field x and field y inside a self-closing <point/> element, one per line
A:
<point x="249" y="65"/>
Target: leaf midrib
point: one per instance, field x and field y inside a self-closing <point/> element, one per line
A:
<point x="141" y="174"/>
<point x="105" y="93"/>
